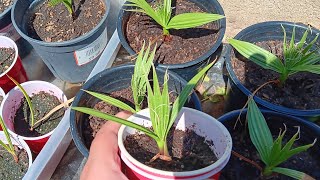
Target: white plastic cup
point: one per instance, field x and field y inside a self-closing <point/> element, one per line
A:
<point x="11" y="103"/>
<point x="202" y="124"/>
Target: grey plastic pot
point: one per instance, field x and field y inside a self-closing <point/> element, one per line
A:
<point x="189" y="69"/>
<point x="110" y="80"/>
<point x="237" y="92"/>
<point x="72" y="60"/>
<point x="7" y="29"/>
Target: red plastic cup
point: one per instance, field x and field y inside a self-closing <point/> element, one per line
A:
<point x="16" y="69"/>
<point x="11" y="103"/>
<point x="202" y="124"/>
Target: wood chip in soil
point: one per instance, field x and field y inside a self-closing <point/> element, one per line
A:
<point x="4" y="4"/>
<point x="56" y="24"/>
<point x="6" y="58"/>
<point x="301" y="90"/>
<point x="185" y="45"/>
<point x="307" y="161"/>
<point x="42" y="103"/>
<point x="9" y="169"/>
<point x="189" y="151"/>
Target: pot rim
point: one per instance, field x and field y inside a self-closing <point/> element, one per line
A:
<point x="205" y="56"/>
<point x="44" y="83"/>
<point x="16" y="54"/>
<point x="63" y="43"/>
<point x="204" y="170"/>
<point x="236" y="81"/>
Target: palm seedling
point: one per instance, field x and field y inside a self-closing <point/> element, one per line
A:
<point x="9" y="146"/>
<point x="162" y="114"/>
<point x="273" y="152"/>
<point x="296" y="57"/>
<point x="162" y="14"/>
<point x="67" y="3"/>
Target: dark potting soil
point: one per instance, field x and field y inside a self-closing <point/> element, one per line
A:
<point x="93" y="124"/>
<point x="300" y="91"/>
<point x="185" y="44"/>
<point x="4" y="4"/>
<point x="6" y="58"/>
<point x="9" y="169"/>
<point x="189" y="151"/>
<point x="237" y="169"/>
<point x="56" y="24"/>
<point x="42" y="103"/>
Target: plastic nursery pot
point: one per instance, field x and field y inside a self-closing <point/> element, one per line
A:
<point x="238" y="169"/>
<point x="11" y="104"/>
<point x="7" y="29"/>
<point x="189" y="69"/>
<point x="15" y="70"/>
<point x="237" y="92"/>
<point x="20" y="143"/>
<point x="110" y="80"/>
<point x="72" y="60"/>
<point x="203" y="125"/>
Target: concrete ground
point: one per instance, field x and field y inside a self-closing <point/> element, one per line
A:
<point x="243" y="13"/>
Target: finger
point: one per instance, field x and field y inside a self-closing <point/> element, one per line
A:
<point x="113" y="127"/>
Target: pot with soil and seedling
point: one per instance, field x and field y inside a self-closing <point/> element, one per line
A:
<point x="69" y="35"/>
<point x="15" y="156"/>
<point x="10" y="64"/>
<point x="184" y="143"/>
<point x="286" y="71"/>
<point x="120" y="82"/>
<point x="187" y="32"/>
<point x="29" y="111"/>
<point x="271" y="145"/>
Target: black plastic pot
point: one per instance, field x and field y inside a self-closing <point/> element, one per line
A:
<point x="237" y="92"/>
<point x="240" y="169"/>
<point x="189" y="69"/>
<point x="60" y="57"/>
<point x="110" y="80"/>
<point x="7" y="29"/>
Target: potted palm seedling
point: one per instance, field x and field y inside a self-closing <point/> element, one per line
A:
<point x="187" y="32"/>
<point x="265" y="152"/>
<point x="158" y="126"/>
<point x="126" y="83"/>
<point x="68" y="35"/>
<point x="15" y="157"/>
<point x="287" y="70"/>
<point x="28" y="111"/>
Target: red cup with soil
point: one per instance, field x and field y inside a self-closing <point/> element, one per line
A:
<point x="189" y="50"/>
<point x="307" y="161"/>
<point x="9" y="168"/>
<point x="200" y="147"/>
<point x="10" y="64"/>
<point x="15" y="112"/>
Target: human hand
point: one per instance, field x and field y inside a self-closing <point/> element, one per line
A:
<point x="104" y="161"/>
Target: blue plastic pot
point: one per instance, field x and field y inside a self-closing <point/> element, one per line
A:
<point x="110" y="80"/>
<point x="189" y="69"/>
<point x="60" y="56"/>
<point x="275" y="120"/>
<point x="272" y="30"/>
<point x="7" y="29"/>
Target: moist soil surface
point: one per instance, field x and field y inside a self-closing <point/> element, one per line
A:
<point x="189" y="151"/>
<point x="237" y="169"/>
<point x="6" y="58"/>
<point x="42" y="103"/>
<point x="9" y="169"/>
<point x="4" y="4"/>
<point x="56" y="24"/>
<point x="300" y="91"/>
<point x="184" y="45"/>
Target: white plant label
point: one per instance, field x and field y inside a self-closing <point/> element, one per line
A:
<point x="10" y="32"/>
<point x="93" y="50"/>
